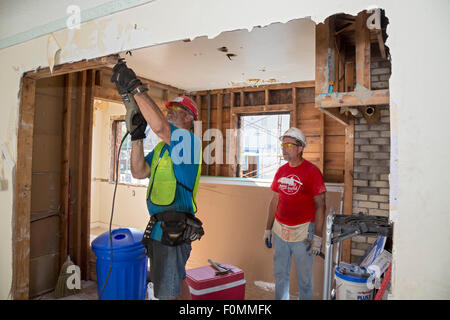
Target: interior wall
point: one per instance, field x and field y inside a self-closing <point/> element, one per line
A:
<point x="228" y="226"/>
<point x="418" y="199"/>
<point x="127" y="196"/>
<point x="46" y="185"/>
<point x="307" y="118"/>
<point x="231" y="224"/>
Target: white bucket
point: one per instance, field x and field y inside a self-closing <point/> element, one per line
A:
<point x="352" y="288"/>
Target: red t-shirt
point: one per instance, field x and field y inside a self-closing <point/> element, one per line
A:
<point x="297" y="188"/>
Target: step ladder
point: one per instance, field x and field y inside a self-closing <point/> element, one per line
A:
<point x="341" y="227"/>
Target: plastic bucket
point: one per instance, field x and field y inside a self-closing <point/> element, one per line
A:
<point x="351" y="288"/>
<point x="128" y="278"/>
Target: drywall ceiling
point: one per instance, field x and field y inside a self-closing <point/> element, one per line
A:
<point x="277" y="53"/>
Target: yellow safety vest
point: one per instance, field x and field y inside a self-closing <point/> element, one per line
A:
<point x="162" y="183"/>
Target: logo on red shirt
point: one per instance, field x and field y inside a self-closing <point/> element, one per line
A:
<point x="290" y="184"/>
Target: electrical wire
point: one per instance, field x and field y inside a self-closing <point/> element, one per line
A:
<point x="112" y="214"/>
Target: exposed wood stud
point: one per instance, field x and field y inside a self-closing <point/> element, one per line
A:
<point x="279" y="86"/>
<point x="348" y="183"/>
<point x="198" y="101"/>
<point x="354" y="98"/>
<point x="219" y="150"/>
<point x="293" y="113"/>
<point x="266" y="97"/>
<point x="362" y="43"/>
<point x="349" y="76"/>
<point x="264" y="109"/>
<point x="22" y="199"/>
<point x="73" y="67"/>
<point x="381" y="44"/>
<point x="233" y="139"/>
<point x="81" y="101"/>
<point x="322" y="142"/>
<point x="64" y="242"/>
<point x="86" y="180"/>
<point x="165" y="96"/>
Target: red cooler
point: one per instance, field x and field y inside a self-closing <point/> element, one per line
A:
<point x="204" y="284"/>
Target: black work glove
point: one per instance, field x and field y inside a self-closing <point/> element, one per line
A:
<point x="140" y="124"/>
<point x="124" y="78"/>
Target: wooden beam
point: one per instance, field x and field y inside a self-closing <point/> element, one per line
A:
<point x="165" y="96"/>
<point x="349" y="27"/>
<point x="340" y="61"/>
<point x="333" y="113"/>
<point x="107" y="94"/>
<point x="323" y="58"/>
<point x="381" y="44"/>
<point x="348" y="183"/>
<point x="349" y="74"/>
<point x="81" y="101"/>
<point x="64" y="242"/>
<point x="293" y="113"/>
<point x="86" y="177"/>
<point x="233" y="139"/>
<point x="73" y="67"/>
<point x="219" y="151"/>
<point x="107" y="71"/>
<point x="322" y="142"/>
<point x="362" y="44"/>
<point x="198" y="101"/>
<point x="353" y="99"/>
<point x="264" y="109"/>
<point x="278" y="86"/>
<point x="22" y="198"/>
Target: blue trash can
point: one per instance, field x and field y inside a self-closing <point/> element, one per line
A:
<point x="128" y="277"/>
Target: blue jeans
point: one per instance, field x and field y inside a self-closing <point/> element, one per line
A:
<point x="167" y="268"/>
<point x="282" y="258"/>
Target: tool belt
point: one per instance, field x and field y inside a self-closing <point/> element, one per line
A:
<point x="177" y="228"/>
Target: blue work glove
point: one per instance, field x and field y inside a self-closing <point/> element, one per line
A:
<point x="268" y="238"/>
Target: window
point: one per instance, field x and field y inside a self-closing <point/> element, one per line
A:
<point x="261" y="154"/>
<point x="118" y="131"/>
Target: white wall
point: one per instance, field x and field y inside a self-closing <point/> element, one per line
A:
<point x="419" y="109"/>
<point x="128" y="197"/>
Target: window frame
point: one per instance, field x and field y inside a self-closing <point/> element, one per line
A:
<point x="240" y="141"/>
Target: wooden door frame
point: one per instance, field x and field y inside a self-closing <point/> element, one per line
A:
<point x="23" y="171"/>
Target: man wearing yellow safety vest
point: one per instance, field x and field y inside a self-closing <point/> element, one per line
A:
<point x="173" y="168"/>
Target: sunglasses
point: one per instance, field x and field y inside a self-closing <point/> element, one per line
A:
<point x="178" y="107"/>
<point x="289" y="145"/>
<point x="175" y="107"/>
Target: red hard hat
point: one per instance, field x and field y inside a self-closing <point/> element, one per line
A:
<point x="186" y="103"/>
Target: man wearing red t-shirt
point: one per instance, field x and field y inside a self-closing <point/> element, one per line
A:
<point x="296" y="216"/>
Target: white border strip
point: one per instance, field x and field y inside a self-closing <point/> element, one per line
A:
<point x="86" y="15"/>
<point x="216" y="288"/>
